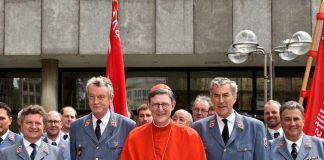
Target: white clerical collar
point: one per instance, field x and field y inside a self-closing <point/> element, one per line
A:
<point x="273" y="131"/>
<point x="298" y="142"/>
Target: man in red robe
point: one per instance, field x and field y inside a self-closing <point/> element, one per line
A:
<point x="163" y="139"/>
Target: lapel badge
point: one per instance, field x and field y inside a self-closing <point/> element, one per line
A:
<point x="11" y="138"/>
<point x="265" y="141"/>
<point x="79" y="150"/>
<point x="87" y="122"/>
<point x="19" y="149"/>
<point x="45" y="148"/>
<point x="240" y="124"/>
<point x="113" y="123"/>
<point x="212" y="124"/>
<point x="280" y="143"/>
<point x="307" y="144"/>
<point x="313" y="158"/>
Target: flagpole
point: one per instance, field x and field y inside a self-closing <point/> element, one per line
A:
<point x="310" y="58"/>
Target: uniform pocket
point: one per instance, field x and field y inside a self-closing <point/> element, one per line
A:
<point x="246" y="151"/>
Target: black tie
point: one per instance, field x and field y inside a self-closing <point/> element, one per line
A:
<point x="225" y="133"/>
<point x="275" y="135"/>
<point x="1" y="140"/>
<point x="97" y="130"/>
<point x="65" y="136"/>
<point x="294" y="151"/>
<point x="54" y="143"/>
<point x="33" y="153"/>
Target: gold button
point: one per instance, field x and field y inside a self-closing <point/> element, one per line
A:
<point x="97" y="158"/>
<point x="225" y="150"/>
<point x="97" y="147"/>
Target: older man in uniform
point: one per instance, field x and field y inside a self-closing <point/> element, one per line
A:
<point x="100" y="134"/>
<point x="7" y="137"/>
<point x="295" y="144"/>
<point x="229" y="135"/>
<point x="31" y="147"/>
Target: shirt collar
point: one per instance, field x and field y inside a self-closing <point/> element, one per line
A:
<point x="27" y="143"/>
<point x="298" y="142"/>
<point x="104" y="119"/>
<point x="5" y="135"/>
<point x="272" y="131"/>
<point x="230" y="118"/>
<point x="57" y="140"/>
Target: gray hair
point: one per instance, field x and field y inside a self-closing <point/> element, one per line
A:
<point x="219" y="81"/>
<point x="101" y="82"/>
<point x="292" y="105"/>
<point x="202" y="98"/>
<point x="187" y="114"/>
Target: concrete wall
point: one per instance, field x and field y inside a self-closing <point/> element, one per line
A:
<point x="80" y="27"/>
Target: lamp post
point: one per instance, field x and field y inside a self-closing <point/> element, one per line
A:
<point x="246" y="43"/>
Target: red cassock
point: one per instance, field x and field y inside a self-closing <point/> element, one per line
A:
<point x="173" y="142"/>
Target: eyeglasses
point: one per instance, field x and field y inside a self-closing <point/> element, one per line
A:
<point x="53" y="122"/>
<point x="201" y="110"/>
<point x="163" y="105"/>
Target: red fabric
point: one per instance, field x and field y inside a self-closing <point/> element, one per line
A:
<point x="184" y="143"/>
<point x="115" y="65"/>
<point x="314" y="116"/>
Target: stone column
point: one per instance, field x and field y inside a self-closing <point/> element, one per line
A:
<point x="49" y="84"/>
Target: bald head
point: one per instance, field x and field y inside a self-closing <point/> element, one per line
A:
<point x="53" y="125"/>
<point x="182" y="116"/>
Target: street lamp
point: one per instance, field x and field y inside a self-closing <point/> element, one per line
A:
<point x="246" y="43"/>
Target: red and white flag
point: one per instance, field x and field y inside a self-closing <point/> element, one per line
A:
<point x="314" y="116"/>
<point x="115" y="65"/>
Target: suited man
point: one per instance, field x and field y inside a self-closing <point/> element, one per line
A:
<point x="7" y="137"/>
<point x="100" y="134"/>
<point x="240" y="137"/>
<point x="31" y="147"/>
<point x="53" y="126"/>
<point x="271" y="115"/>
<point x="295" y="144"/>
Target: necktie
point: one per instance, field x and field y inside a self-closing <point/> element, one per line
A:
<point x="53" y="143"/>
<point x="65" y="136"/>
<point x="1" y="140"/>
<point x="97" y="130"/>
<point x="225" y="133"/>
<point x="33" y="153"/>
<point x="294" y="151"/>
<point x="275" y="135"/>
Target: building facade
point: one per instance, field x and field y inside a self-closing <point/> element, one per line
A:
<point x="55" y="46"/>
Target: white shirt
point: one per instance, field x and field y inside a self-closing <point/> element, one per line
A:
<point x="56" y="141"/>
<point x="4" y="136"/>
<point x="29" y="148"/>
<point x="103" y="124"/>
<point x="272" y="131"/>
<point x="230" y="123"/>
<point x="298" y="142"/>
<point x="62" y="135"/>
